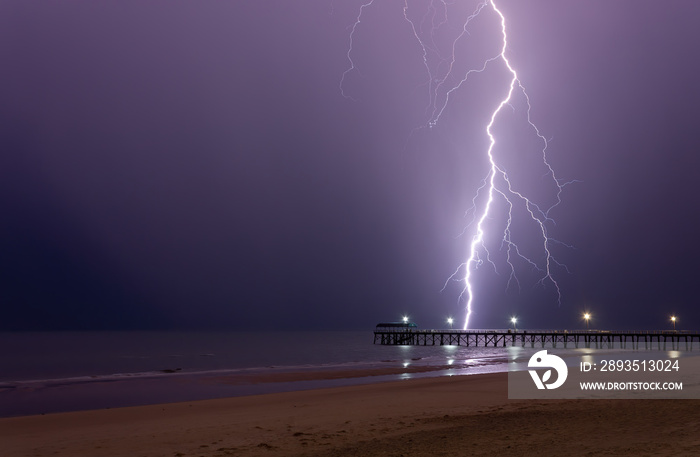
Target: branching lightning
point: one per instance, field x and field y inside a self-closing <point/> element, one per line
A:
<point x="442" y="82"/>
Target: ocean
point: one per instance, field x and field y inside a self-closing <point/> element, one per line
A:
<point x="60" y="355"/>
<point x="45" y="372"/>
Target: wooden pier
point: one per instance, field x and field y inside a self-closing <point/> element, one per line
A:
<point x="634" y="339"/>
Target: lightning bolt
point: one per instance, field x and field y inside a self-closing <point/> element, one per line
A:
<point x="442" y="82"/>
<point x="352" y="66"/>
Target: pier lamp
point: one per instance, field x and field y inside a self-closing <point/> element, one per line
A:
<point x="673" y="319"/>
<point x="587" y="316"/>
<point x="450" y="321"/>
<point x="514" y="320"/>
<point x="405" y="319"/>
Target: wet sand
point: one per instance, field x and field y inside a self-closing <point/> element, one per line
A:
<point x="460" y="415"/>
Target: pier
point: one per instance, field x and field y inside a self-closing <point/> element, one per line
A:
<point x="634" y="339"/>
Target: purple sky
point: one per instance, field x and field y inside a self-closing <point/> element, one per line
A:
<point x="194" y="164"/>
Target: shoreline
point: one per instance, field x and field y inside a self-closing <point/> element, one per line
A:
<point x="419" y="417"/>
<point x="276" y="422"/>
<point x="26" y="398"/>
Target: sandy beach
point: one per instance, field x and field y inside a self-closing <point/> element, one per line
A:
<point x="460" y="415"/>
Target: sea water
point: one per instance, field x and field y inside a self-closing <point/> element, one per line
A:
<point x="63" y="371"/>
<point x="57" y="355"/>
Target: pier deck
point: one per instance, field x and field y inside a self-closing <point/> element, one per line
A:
<point x="539" y="338"/>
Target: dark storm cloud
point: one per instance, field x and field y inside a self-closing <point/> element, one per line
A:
<point x="188" y="164"/>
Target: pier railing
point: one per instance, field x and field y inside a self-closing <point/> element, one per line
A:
<point x="532" y="338"/>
